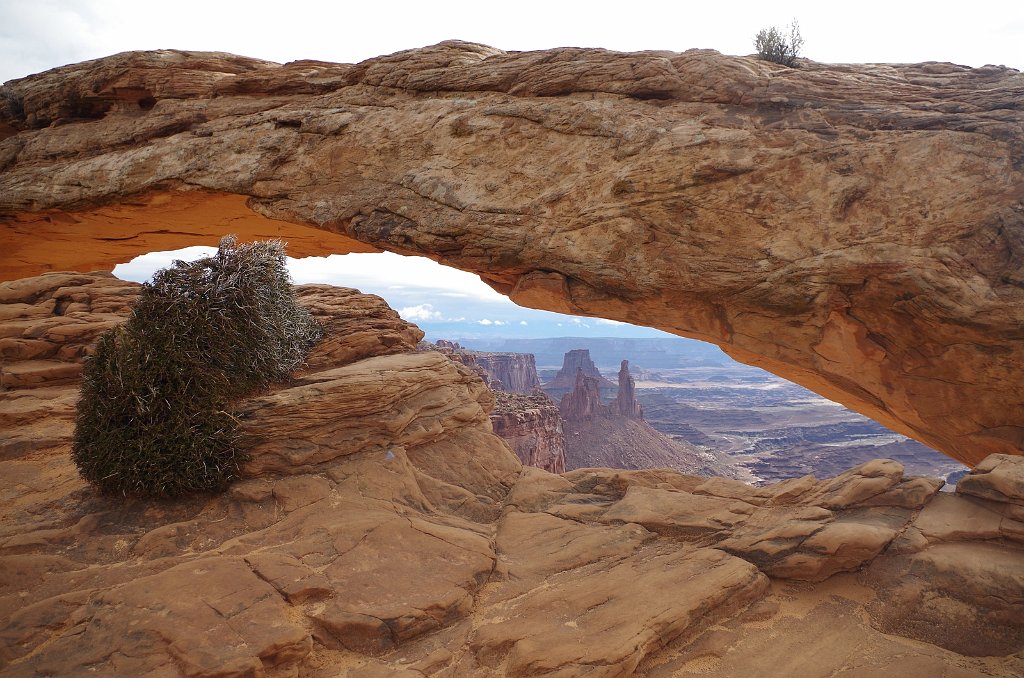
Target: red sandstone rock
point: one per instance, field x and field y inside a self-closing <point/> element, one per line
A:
<point x="857" y="229"/>
<point x="625" y="403"/>
<point x="532" y="426"/>
<point x="575" y="361"/>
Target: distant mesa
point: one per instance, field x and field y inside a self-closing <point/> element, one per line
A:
<point x="509" y="372"/>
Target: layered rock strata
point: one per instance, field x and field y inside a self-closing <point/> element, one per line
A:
<point x="574" y="362"/>
<point x="509" y="372"/>
<point x="306" y="566"/>
<point x="513" y="372"/>
<point x="624" y="404"/>
<point x="532" y="427"/>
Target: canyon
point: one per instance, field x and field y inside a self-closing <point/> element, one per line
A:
<point x="858" y="229"/>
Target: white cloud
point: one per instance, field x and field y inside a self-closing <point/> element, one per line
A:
<point x="523" y="322"/>
<point x="606" y="321"/>
<point x="141" y="268"/>
<point x="372" y="272"/>
<point x="421" y="313"/>
<point x="485" y="321"/>
<point x="578" y="323"/>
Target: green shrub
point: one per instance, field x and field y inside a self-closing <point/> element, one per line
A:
<point x="153" y="418"/>
<point x="773" y="45"/>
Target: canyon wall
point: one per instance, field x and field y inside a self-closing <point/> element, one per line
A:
<point x="858" y="229"/>
<point x="515" y="372"/>
<point x="523" y="416"/>
<point x="532" y="427"/>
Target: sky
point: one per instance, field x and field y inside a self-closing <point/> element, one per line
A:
<point x="445" y="302"/>
<point x="39" y="34"/>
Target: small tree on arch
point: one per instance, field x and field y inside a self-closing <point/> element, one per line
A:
<point x="773" y="45"/>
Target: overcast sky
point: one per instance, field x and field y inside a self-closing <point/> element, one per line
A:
<point x="39" y="34"/>
<point x="445" y="302"/>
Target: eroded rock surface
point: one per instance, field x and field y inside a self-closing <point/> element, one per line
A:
<point x="387" y="531"/>
<point x="532" y="427"/>
<point x="858" y="229"/>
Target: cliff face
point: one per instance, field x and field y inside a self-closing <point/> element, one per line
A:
<point x="509" y="372"/>
<point x="574" y="362"/>
<point x="515" y="372"/>
<point x="524" y="417"/>
<point x="532" y="427"/>
<point x="383" y="528"/>
<point x="858" y="229"/>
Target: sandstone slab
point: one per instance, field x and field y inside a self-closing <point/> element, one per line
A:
<point x="606" y="623"/>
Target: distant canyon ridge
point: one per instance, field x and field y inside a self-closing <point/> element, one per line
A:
<point x="857" y="229"/>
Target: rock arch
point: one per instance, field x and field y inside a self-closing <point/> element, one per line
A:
<point x="856" y="229"/>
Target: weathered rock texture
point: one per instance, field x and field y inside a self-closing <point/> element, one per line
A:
<point x="385" y="530"/>
<point x="532" y="427"/>
<point x="526" y="418"/>
<point x="513" y="372"/>
<point x="624" y="403"/>
<point x="566" y="380"/>
<point x="857" y="229"/>
<point x="509" y="372"/>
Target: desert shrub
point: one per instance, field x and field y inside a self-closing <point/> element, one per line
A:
<point x="773" y="45"/>
<point x="14" y="104"/>
<point x="153" y="418"/>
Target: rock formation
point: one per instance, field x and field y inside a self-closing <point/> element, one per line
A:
<point x="527" y="420"/>
<point x="514" y="372"/>
<point x="625" y="403"/>
<point x="383" y="529"/>
<point x="509" y="372"/>
<point x="615" y="435"/>
<point x="584" y="401"/>
<point x="532" y="427"/>
<point x="573" y="362"/>
<point x="858" y="229"/>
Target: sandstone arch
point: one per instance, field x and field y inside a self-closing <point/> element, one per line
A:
<point x="856" y="229"/>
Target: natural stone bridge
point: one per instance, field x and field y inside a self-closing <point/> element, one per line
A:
<point x="856" y="229"/>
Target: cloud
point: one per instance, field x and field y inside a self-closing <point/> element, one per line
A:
<point x="578" y="323"/>
<point x="485" y="321"/>
<point x="523" y="322"/>
<point x="421" y="313"/>
<point x="379" y="272"/>
<point x="606" y="321"/>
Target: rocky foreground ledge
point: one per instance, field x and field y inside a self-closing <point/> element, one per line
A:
<point x="382" y="529"/>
